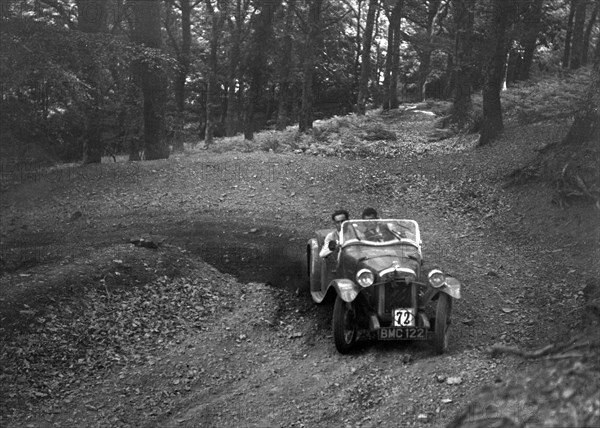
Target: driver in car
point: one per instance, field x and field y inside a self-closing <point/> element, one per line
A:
<point x="369" y="214"/>
<point x="375" y="231"/>
<point x="331" y="240"/>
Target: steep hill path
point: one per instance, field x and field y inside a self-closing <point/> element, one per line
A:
<point x="99" y="332"/>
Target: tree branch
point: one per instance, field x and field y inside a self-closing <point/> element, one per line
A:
<point x="333" y="21"/>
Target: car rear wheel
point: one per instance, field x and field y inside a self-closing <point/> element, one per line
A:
<point x="442" y="314"/>
<point x="344" y="326"/>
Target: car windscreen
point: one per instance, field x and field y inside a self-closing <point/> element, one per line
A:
<point x="380" y="231"/>
<point x="396" y="250"/>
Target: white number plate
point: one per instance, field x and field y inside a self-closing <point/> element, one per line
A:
<point x="404" y="317"/>
<point x="402" y="333"/>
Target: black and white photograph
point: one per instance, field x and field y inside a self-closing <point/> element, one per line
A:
<point x="300" y="213"/>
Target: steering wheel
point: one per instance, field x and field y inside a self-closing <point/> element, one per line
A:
<point x="373" y="235"/>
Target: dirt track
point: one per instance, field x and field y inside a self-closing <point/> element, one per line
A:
<point x="266" y="357"/>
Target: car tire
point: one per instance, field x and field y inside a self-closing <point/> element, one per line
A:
<point x="442" y="322"/>
<point x="344" y="326"/>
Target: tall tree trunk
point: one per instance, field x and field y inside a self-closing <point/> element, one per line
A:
<point x="424" y="64"/>
<point x="463" y="53"/>
<point x="184" y="68"/>
<point x="578" y="31"/>
<point x="365" y="66"/>
<point x="567" y="52"/>
<point x="92" y="19"/>
<point x="493" y="69"/>
<point x="232" y="115"/>
<point x="389" y="75"/>
<point x="425" y="56"/>
<point x="313" y="21"/>
<point x="505" y="68"/>
<point x="588" y="33"/>
<point x="285" y="68"/>
<point x="212" y="92"/>
<point x="531" y="24"/>
<point x="184" y="57"/>
<point x="396" y="22"/>
<point x="356" y="79"/>
<point x="271" y="104"/>
<point x="375" y="71"/>
<point x="212" y="65"/>
<point x="182" y="52"/>
<point x="147" y="31"/>
<point x="258" y="62"/>
<point x="450" y="83"/>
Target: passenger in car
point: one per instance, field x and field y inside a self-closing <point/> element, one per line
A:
<point x="332" y="239"/>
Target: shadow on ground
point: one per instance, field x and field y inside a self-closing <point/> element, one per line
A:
<point x="256" y="253"/>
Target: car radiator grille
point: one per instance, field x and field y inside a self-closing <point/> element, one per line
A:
<point x="392" y="295"/>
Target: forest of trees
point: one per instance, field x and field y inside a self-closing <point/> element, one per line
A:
<point x="82" y="78"/>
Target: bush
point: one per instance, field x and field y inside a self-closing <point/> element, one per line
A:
<point x="378" y="132"/>
<point x="233" y="144"/>
<point x="269" y="141"/>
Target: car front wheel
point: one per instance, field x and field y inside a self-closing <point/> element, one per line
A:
<point x="344" y="326"/>
<point x="442" y="314"/>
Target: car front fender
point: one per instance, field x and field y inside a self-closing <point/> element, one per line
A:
<point x="314" y="262"/>
<point x="346" y="289"/>
<point x="451" y="287"/>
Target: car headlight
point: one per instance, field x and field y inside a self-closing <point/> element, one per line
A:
<point x="365" y="277"/>
<point x="436" y="278"/>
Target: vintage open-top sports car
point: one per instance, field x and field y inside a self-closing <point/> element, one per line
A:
<point x="377" y="278"/>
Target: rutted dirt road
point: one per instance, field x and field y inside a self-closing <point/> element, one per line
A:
<point x="263" y="355"/>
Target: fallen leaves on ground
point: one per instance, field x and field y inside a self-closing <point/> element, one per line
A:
<point x="103" y="330"/>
